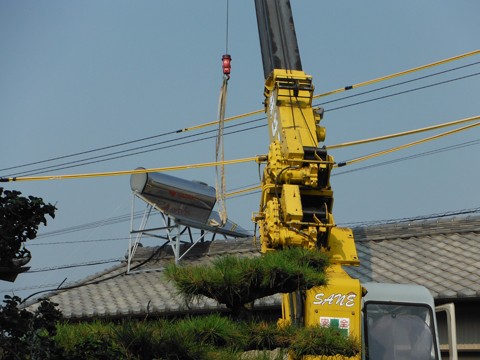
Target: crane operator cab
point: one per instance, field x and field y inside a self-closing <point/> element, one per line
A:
<point x="399" y="323"/>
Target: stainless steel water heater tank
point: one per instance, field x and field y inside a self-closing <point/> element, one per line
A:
<point x="182" y="199"/>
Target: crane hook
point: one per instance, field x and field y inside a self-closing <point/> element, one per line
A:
<point x="226" y="59"/>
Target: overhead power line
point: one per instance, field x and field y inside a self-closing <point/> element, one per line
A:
<point x="411" y="219"/>
<point x="92" y="225"/>
<point x="401" y="92"/>
<point x="78" y="241"/>
<point x="405" y="133"/>
<point x="426" y="153"/>
<point x="182" y="167"/>
<point x="126" y="172"/>
<point x="405" y="72"/>
<point x="261" y="111"/>
<point x="83" y="161"/>
<point x="29" y="288"/>
<point x="366" y="157"/>
<point x="97" y="281"/>
<point x="90" y="263"/>
<point x="63" y="165"/>
<point x="398" y="84"/>
<point x="352" y="224"/>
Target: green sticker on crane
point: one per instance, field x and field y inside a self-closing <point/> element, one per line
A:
<point x="343" y="324"/>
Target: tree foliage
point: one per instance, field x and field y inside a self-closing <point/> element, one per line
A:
<point x="236" y="281"/>
<point x="206" y="337"/>
<point x="19" y="221"/>
<point x="24" y="333"/>
<point x="33" y="335"/>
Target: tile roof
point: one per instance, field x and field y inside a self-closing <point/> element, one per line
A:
<point x="442" y="255"/>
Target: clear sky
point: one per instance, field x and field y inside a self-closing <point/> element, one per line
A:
<point x="81" y="75"/>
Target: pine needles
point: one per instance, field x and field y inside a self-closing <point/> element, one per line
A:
<point x="236" y="281"/>
<point x="207" y="337"/>
<point x="230" y="280"/>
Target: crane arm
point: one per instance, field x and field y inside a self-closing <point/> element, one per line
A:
<point x="297" y="198"/>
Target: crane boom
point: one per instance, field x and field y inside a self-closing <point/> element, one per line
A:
<point x="297" y="200"/>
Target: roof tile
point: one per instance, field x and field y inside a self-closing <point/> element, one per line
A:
<point x="442" y="255"/>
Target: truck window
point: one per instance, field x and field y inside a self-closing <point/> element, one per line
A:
<point x="399" y="332"/>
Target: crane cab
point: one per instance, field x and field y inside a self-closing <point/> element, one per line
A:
<point x="398" y="322"/>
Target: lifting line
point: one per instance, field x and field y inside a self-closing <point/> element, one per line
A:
<point x="220" y="185"/>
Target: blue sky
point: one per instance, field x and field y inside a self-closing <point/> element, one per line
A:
<point x="77" y="76"/>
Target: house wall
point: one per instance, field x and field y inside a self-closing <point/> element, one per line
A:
<point x="467" y="315"/>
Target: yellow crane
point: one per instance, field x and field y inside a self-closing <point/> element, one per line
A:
<point x="394" y="321"/>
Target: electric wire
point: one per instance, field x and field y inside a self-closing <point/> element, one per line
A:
<point x="397" y="84"/>
<point x="128" y="172"/>
<point x="346" y="88"/>
<point x="125" y="172"/>
<point x="405" y="133"/>
<point x="59" y="166"/>
<point x="90" y="151"/>
<point x="91" y="225"/>
<point x="415" y="156"/>
<point x="141" y="152"/>
<point x="29" y="288"/>
<point x="412" y="219"/>
<point x="250" y="193"/>
<point x="232" y="194"/>
<point x="78" y="241"/>
<point x="61" y="267"/>
<point x="405" y="72"/>
<point x="366" y="157"/>
<point x="94" y="282"/>
<point x="353" y="224"/>
<point x="261" y="111"/>
<point x="402" y="92"/>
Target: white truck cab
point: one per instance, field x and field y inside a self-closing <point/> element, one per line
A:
<point x="399" y="323"/>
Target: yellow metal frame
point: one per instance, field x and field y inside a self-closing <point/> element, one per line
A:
<point x="296" y="205"/>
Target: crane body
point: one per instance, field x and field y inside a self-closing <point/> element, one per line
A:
<point x="296" y="210"/>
